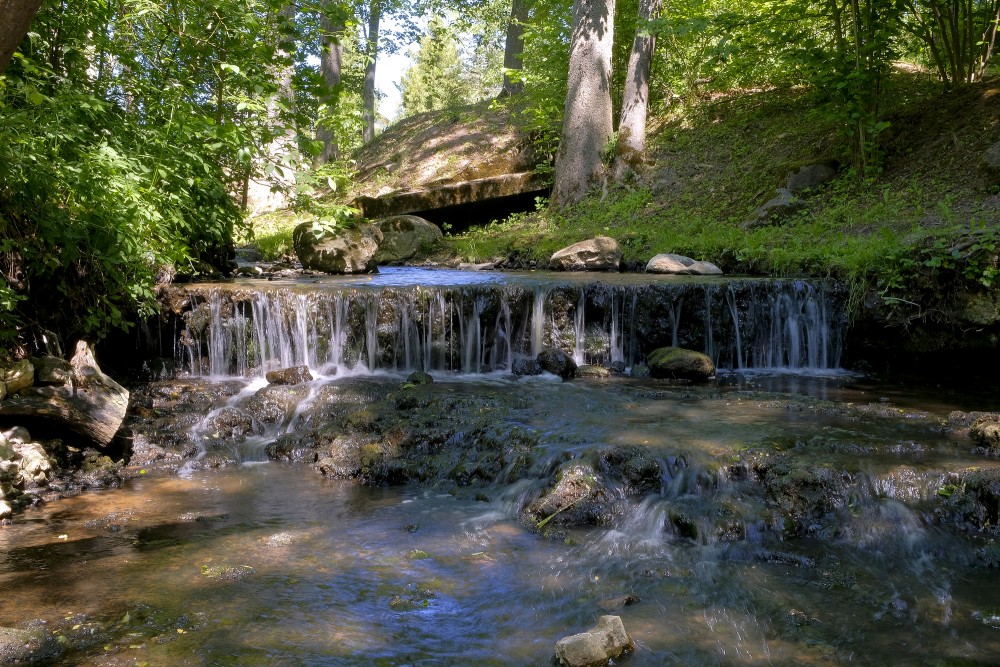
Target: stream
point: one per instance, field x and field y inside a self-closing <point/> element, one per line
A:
<point x="801" y="515"/>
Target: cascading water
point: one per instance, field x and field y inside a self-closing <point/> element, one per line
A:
<point x="338" y="328"/>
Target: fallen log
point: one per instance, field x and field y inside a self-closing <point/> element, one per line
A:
<point x="91" y="404"/>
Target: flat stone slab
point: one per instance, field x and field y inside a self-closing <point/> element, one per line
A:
<point x="453" y="194"/>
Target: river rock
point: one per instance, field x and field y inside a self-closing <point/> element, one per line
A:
<point x="986" y="432"/>
<point x="557" y="362"/>
<point x="596" y="647"/>
<point x="292" y="375"/>
<point x="578" y="497"/>
<point x="26" y="647"/>
<point x="92" y="404"/>
<point x="526" y="367"/>
<point x="35" y="465"/>
<point x="671" y="263"/>
<point x="679" y="363"/>
<point x="810" y="176"/>
<point x="20" y="375"/>
<point x="403" y="236"/>
<point x="597" y="254"/>
<point x="51" y="370"/>
<point x="6" y="512"/>
<point x="347" y="250"/>
<point x="989" y="166"/>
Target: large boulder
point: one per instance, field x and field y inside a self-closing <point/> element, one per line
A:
<point x="403" y="236"/>
<point x="671" y="263"/>
<point x="20" y="375"/>
<point x="91" y="404"/>
<point x="557" y="362"/>
<point x="346" y="250"/>
<point x="597" y="254"/>
<point x="990" y="164"/>
<point x="811" y="176"/>
<point x="679" y="363"/>
<point x="595" y="647"/>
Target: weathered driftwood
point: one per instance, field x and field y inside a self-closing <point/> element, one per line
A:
<point x="90" y="404"/>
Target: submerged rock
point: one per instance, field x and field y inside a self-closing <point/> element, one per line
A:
<point x="592" y="371"/>
<point x="679" y="363"/>
<point x="26" y="647"/>
<point x="598" y="254"/>
<point x="596" y="647"/>
<point x="419" y="377"/>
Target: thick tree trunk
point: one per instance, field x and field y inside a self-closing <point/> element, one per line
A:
<point x="91" y="404"/>
<point x="587" y="122"/>
<point x="630" y="149"/>
<point x="368" y="96"/>
<point x="331" y="67"/>
<point x="15" y="19"/>
<point x="514" y="47"/>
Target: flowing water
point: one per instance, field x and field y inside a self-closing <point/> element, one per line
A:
<point x="796" y="520"/>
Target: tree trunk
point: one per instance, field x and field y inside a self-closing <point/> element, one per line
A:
<point x="368" y="97"/>
<point x="587" y="122"/>
<point x="630" y="148"/>
<point x="331" y="66"/>
<point x="17" y="16"/>
<point x="514" y="47"/>
<point x="91" y="404"/>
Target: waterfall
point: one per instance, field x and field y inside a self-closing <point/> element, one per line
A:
<point x="740" y="323"/>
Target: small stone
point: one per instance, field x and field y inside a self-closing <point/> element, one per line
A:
<point x="293" y="375"/>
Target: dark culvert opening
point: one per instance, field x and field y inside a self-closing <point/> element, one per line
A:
<point x="461" y="217"/>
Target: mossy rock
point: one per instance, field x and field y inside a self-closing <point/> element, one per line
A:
<point x="679" y="363"/>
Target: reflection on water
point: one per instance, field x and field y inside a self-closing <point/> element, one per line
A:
<point x="272" y="564"/>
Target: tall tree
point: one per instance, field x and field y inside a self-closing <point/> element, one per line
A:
<point x="331" y="64"/>
<point x="17" y="16"/>
<point x="371" y="58"/>
<point x="587" y="122"/>
<point x="513" y="52"/>
<point x="630" y="148"/>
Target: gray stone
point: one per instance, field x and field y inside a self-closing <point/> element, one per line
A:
<point x="810" y="176"/>
<point x="701" y="268"/>
<point x="557" y="362"/>
<point x="19" y="376"/>
<point x="347" y="250"/>
<point x="403" y="236"/>
<point x="293" y="375"/>
<point x="6" y="512"/>
<point x="597" y="646"/>
<point x="51" y="370"/>
<point x="16" y="434"/>
<point x="669" y="263"/>
<point x="990" y="164"/>
<point x="597" y="254"/>
<point x="679" y="363"/>
<point x="776" y="209"/>
<point x="470" y="266"/>
<point x="26" y="647"/>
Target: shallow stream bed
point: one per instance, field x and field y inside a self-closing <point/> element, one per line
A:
<point x="269" y="563"/>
